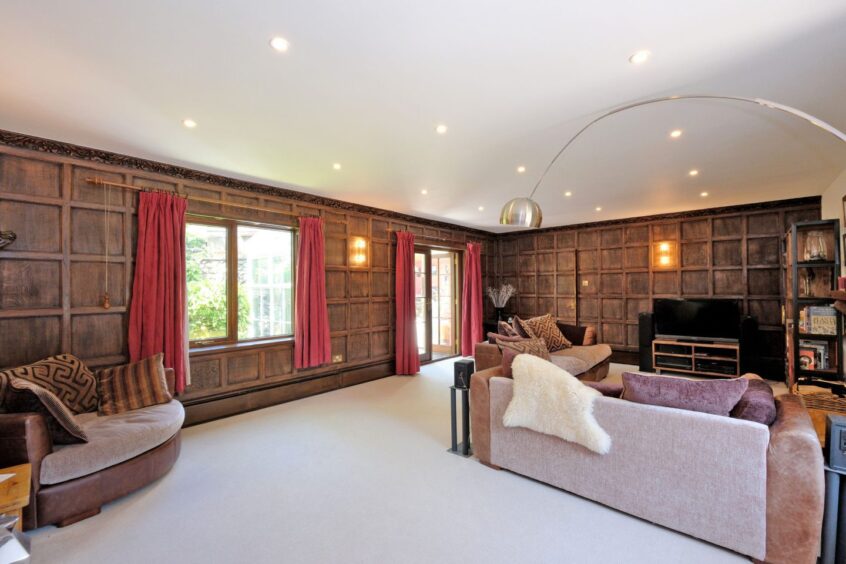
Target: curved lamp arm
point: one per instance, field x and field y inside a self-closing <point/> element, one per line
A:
<point x="526" y="212"/>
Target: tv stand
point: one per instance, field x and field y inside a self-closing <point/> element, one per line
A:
<point x="696" y="358"/>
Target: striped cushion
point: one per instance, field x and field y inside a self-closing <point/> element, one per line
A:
<point x="23" y="396"/>
<point x="132" y="386"/>
<point x="505" y="328"/>
<point x="66" y="377"/>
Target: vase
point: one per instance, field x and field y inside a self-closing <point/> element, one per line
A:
<point x="500" y="314"/>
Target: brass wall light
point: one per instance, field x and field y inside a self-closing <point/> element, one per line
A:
<point x="358" y="256"/>
<point x="664" y="254"/>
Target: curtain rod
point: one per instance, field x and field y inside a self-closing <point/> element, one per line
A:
<point x="453" y="241"/>
<point x="100" y="182"/>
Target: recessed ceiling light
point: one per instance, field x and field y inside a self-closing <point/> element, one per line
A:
<point x="481" y="208"/>
<point x="279" y="44"/>
<point x="424" y="191"/>
<point x="337" y="166"/>
<point x="676" y="133"/>
<point x="521" y="169"/>
<point x="568" y="194"/>
<point x="598" y="208"/>
<point x="693" y="172"/>
<point x="704" y="194"/>
<point x="441" y="129"/>
<point x="189" y="123"/>
<point x="640" y="57"/>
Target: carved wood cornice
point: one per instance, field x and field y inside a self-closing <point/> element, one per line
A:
<point x="804" y="202"/>
<point x="69" y="150"/>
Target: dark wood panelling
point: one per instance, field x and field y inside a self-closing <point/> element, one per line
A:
<point x="52" y="278"/>
<point x="37" y="226"/>
<point x="26" y="176"/>
<point x="30" y="284"/>
<point x="26" y="340"/>
<point x="728" y="252"/>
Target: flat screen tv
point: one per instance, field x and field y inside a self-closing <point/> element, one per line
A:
<point x="701" y="320"/>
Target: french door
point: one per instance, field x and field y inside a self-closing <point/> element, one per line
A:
<point x="436" y="300"/>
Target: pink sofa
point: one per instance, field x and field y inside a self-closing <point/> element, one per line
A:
<point x="753" y="489"/>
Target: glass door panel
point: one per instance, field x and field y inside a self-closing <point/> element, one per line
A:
<point x="421" y="304"/>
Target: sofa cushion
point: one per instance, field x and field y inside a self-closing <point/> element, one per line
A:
<point x="757" y="403"/>
<point x="710" y="396"/>
<point x="517" y="324"/>
<point x="505" y="328"/>
<point x="591" y="355"/>
<point x="606" y="388"/>
<point x="24" y="396"/>
<point x="512" y="346"/>
<point x="132" y="386"/>
<point x="571" y="364"/>
<point x="544" y="327"/>
<point x="111" y="440"/>
<point x="66" y="377"/>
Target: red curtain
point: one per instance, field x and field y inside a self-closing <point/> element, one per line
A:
<point x="471" y="299"/>
<point x="312" y="346"/>
<point x="157" y="314"/>
<point x="408" y="360"/>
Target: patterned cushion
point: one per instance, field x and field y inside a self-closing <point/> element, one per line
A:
<point x="505" y="328"/>
<point x="517" y="325"/>
<point x="512" y="346"/>
<point x="66" y="377"/>
<point x="544" y="327"/>
<point x="132" y="386"/>
<point x="23" y="396"/>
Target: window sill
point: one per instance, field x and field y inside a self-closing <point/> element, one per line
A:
<point x="241" y="346"/>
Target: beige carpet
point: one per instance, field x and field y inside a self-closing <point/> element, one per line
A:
<point x="356" y="475"/>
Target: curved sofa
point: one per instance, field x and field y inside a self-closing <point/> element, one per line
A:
<point x="69" y="483"/>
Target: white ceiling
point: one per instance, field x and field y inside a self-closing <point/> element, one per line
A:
<point x="365" y="83"/>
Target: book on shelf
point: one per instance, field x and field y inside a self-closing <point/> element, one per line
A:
<point x="818" y="320"/>
<point x="814" y="355"/>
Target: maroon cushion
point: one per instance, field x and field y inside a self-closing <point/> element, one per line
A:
<point x="708" y="396"/>
<point x="518" y="327"/>
<point x="606" y="388"/>
<point x="756" y="404"/>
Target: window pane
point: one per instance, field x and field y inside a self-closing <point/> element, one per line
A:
<point x="265" y="282"/>
<point x="205" y="266"/>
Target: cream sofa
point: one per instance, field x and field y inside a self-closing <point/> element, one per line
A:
<point x="753" y="489"/>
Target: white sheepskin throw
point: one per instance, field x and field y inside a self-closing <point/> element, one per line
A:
<point x="550" y="400"/>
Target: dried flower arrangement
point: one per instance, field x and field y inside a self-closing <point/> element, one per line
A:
<point x="500" y="296"/>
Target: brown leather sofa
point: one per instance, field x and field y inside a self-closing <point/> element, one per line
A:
<point x="584" y="360"/>
<point x="24" y="439"/>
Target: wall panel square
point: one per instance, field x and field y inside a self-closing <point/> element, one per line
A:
<point x="30" y="284"/>
<point x="38" y="227"/>
<point x="20" y="175"/>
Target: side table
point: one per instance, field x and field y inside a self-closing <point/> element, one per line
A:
<point x="14" y="491"/>
<point x="462" y="449"/>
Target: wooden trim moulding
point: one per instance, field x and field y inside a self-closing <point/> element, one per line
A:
<point x="69" y="150"/>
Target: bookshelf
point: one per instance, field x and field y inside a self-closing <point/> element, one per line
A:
<point x="814" y="328"/>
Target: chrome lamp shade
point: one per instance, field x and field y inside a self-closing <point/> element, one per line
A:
<point x="522" y="212"/>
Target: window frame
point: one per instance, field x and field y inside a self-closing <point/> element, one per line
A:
<point x="231" y="226"/>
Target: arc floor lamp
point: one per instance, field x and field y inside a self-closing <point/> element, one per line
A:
<point x="525" y="212"/>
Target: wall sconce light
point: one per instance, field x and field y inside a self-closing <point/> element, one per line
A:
<point x="664" y="255"/>
<point x="359" y="251"/>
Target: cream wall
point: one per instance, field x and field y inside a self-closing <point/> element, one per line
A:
<point x="832" y="201"/>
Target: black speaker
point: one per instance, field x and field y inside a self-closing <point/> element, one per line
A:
<point x="749" y="345"/>
<point x="646" y="334"/>
<point x="835" y="441"/>
<point x="463" y="370"/>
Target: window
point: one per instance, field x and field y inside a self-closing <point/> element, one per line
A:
<point x="240" y="281"/>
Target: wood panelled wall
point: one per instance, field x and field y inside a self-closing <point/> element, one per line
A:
<point x="52" y="277"/>
<point x="604" y="274"/>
